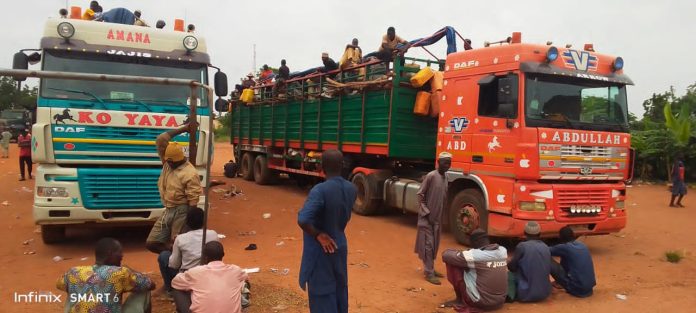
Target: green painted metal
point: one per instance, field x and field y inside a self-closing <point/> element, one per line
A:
<point x="386" y="119"/>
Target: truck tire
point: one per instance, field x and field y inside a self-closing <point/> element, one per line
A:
<point x="467" y="212"/>
<point x="365" y="203"/>
<point x="263" y="175"/>
<point x="51" y="234"/>
<point x="247" y="168"/>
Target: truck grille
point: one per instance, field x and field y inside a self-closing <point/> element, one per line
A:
<point x="119" y="188"/>
<point x="588" y="152"/>
<point x="580" y="198"/>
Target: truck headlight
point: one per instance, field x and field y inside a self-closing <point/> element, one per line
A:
<point x="532" y="206"/>
<point x="52" y="192"/>
<point x="66" y="30"/>
<point x="190" y="43"/>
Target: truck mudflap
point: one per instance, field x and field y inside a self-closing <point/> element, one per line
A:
<point x="503" y="225"/>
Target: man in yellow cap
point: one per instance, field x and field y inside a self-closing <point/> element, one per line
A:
<point x="179" y="187"/>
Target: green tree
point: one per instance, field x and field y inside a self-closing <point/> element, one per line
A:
<point x="12" y="98"/>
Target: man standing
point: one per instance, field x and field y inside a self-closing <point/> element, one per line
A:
<point x="5" y="143"/>
<point x="281" y="79"/>
<point x="186" y="252"/>
<point x="388" y="47"/>
<point x="179" y="187"/>
<point x="678" y="183"/>
<point x="210" y="288"/>
<point x="323" y="219"/>
<point x="100" y="287"/>
<point x="431" y="197"/>
<point x="531" y="266"/>
<point x="24" y="143"/>
<point x="478" y="275"/>
<point x="576" y="273"/>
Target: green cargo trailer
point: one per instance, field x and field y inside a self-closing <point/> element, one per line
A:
<point x="372" y="121"/>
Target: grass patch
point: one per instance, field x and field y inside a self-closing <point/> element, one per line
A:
<point x="673" y="256"/>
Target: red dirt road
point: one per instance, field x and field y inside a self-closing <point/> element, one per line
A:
<point x="384" y="273"/>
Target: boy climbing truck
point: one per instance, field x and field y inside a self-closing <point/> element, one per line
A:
<point x="536" y="133"/>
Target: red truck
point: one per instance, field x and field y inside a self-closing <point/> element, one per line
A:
<point x="537" y="133"/>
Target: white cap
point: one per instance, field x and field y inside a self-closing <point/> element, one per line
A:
<point x="444" y="155"/>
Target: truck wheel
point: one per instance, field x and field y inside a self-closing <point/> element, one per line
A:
<point x="467" y="212"/>
<point x="247" y="168"/>
<point x="365" y="204"/>
<point x="263" y="175"/>
<point x="51" y="234"/>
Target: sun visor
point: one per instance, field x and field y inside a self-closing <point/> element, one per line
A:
<point x="545" y="68"/>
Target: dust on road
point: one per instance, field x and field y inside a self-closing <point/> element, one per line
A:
<point x="384" y="274"/>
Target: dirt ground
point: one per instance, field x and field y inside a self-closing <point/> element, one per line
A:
<point x="384" y="273"/>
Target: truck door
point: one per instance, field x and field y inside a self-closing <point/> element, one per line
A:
<point x="495" y="134"/>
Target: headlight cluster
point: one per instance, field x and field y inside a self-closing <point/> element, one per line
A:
<point x="52" y="192"/>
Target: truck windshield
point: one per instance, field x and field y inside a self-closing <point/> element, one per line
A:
<point x="566" y="102"/>
<point x="12" y="115"/>
<point x="65" y="61"/>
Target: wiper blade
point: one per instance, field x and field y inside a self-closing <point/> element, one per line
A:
<point x="165" y="101"/>
<point x="87" y="93"/>
<point x="133" y="100"/>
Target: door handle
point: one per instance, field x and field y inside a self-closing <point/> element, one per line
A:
<point x="477" y="158"/>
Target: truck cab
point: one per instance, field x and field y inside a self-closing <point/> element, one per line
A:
<point x="94" y="140"/>
<point x="537" y="133"/>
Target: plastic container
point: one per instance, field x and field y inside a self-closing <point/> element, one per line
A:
<point x="422" y="77"/>
<point x="435" y="100"/>
<point x="422" y="105"/>
<point x="437" y="81"/>
<point x="247" y="95"/>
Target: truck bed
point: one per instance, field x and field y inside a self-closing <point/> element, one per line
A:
<point x="379" y="122"/>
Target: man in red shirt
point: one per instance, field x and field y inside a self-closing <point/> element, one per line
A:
<point x="24" y="143"/>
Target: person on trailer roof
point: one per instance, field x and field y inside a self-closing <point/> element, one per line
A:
<point x="180" y="189"/>
<point x="431" y="197"/>
<point x="530" y="267"/>
<point x="89" y="13"/>
<point x="390" y="41"/>
<point x="329" y="63"/>
<point x="478" y="275"/>
<point x="352" y="55"/>
<point x="138" y="19"/>
<point x="575" y="273"/>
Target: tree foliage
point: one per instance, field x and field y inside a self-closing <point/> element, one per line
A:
<point x="11" y="98"/>
<point x="661" y="134"/>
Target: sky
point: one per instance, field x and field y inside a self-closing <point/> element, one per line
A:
<point x="655" y="38"/>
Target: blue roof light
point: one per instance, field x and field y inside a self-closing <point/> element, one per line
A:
<point x="552" y="54"/>
<point x="618" y="64"/>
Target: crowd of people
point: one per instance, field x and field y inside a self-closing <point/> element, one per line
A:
<point x="352" y="57"/>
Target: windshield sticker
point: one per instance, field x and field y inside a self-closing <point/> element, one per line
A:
<point x="121" y="95"/>
<point x="120" y="35"/>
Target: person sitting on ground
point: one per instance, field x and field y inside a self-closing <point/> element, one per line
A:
<point x="478" y="275"/>
<point x="186" y="252"/>
<point x="575" y="273"/>
<point x="213" y="287"/>
<point x="388" y="47"/>
<point x="138" y="20"/>
<point x="530" y="267"/>
<point x="106" y="277"/>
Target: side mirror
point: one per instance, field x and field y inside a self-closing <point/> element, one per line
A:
<point x="221" y="105"/>
<point x="20" y="61"/>
<point x="507" y="90"/>
<point x="220" y="84"/>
